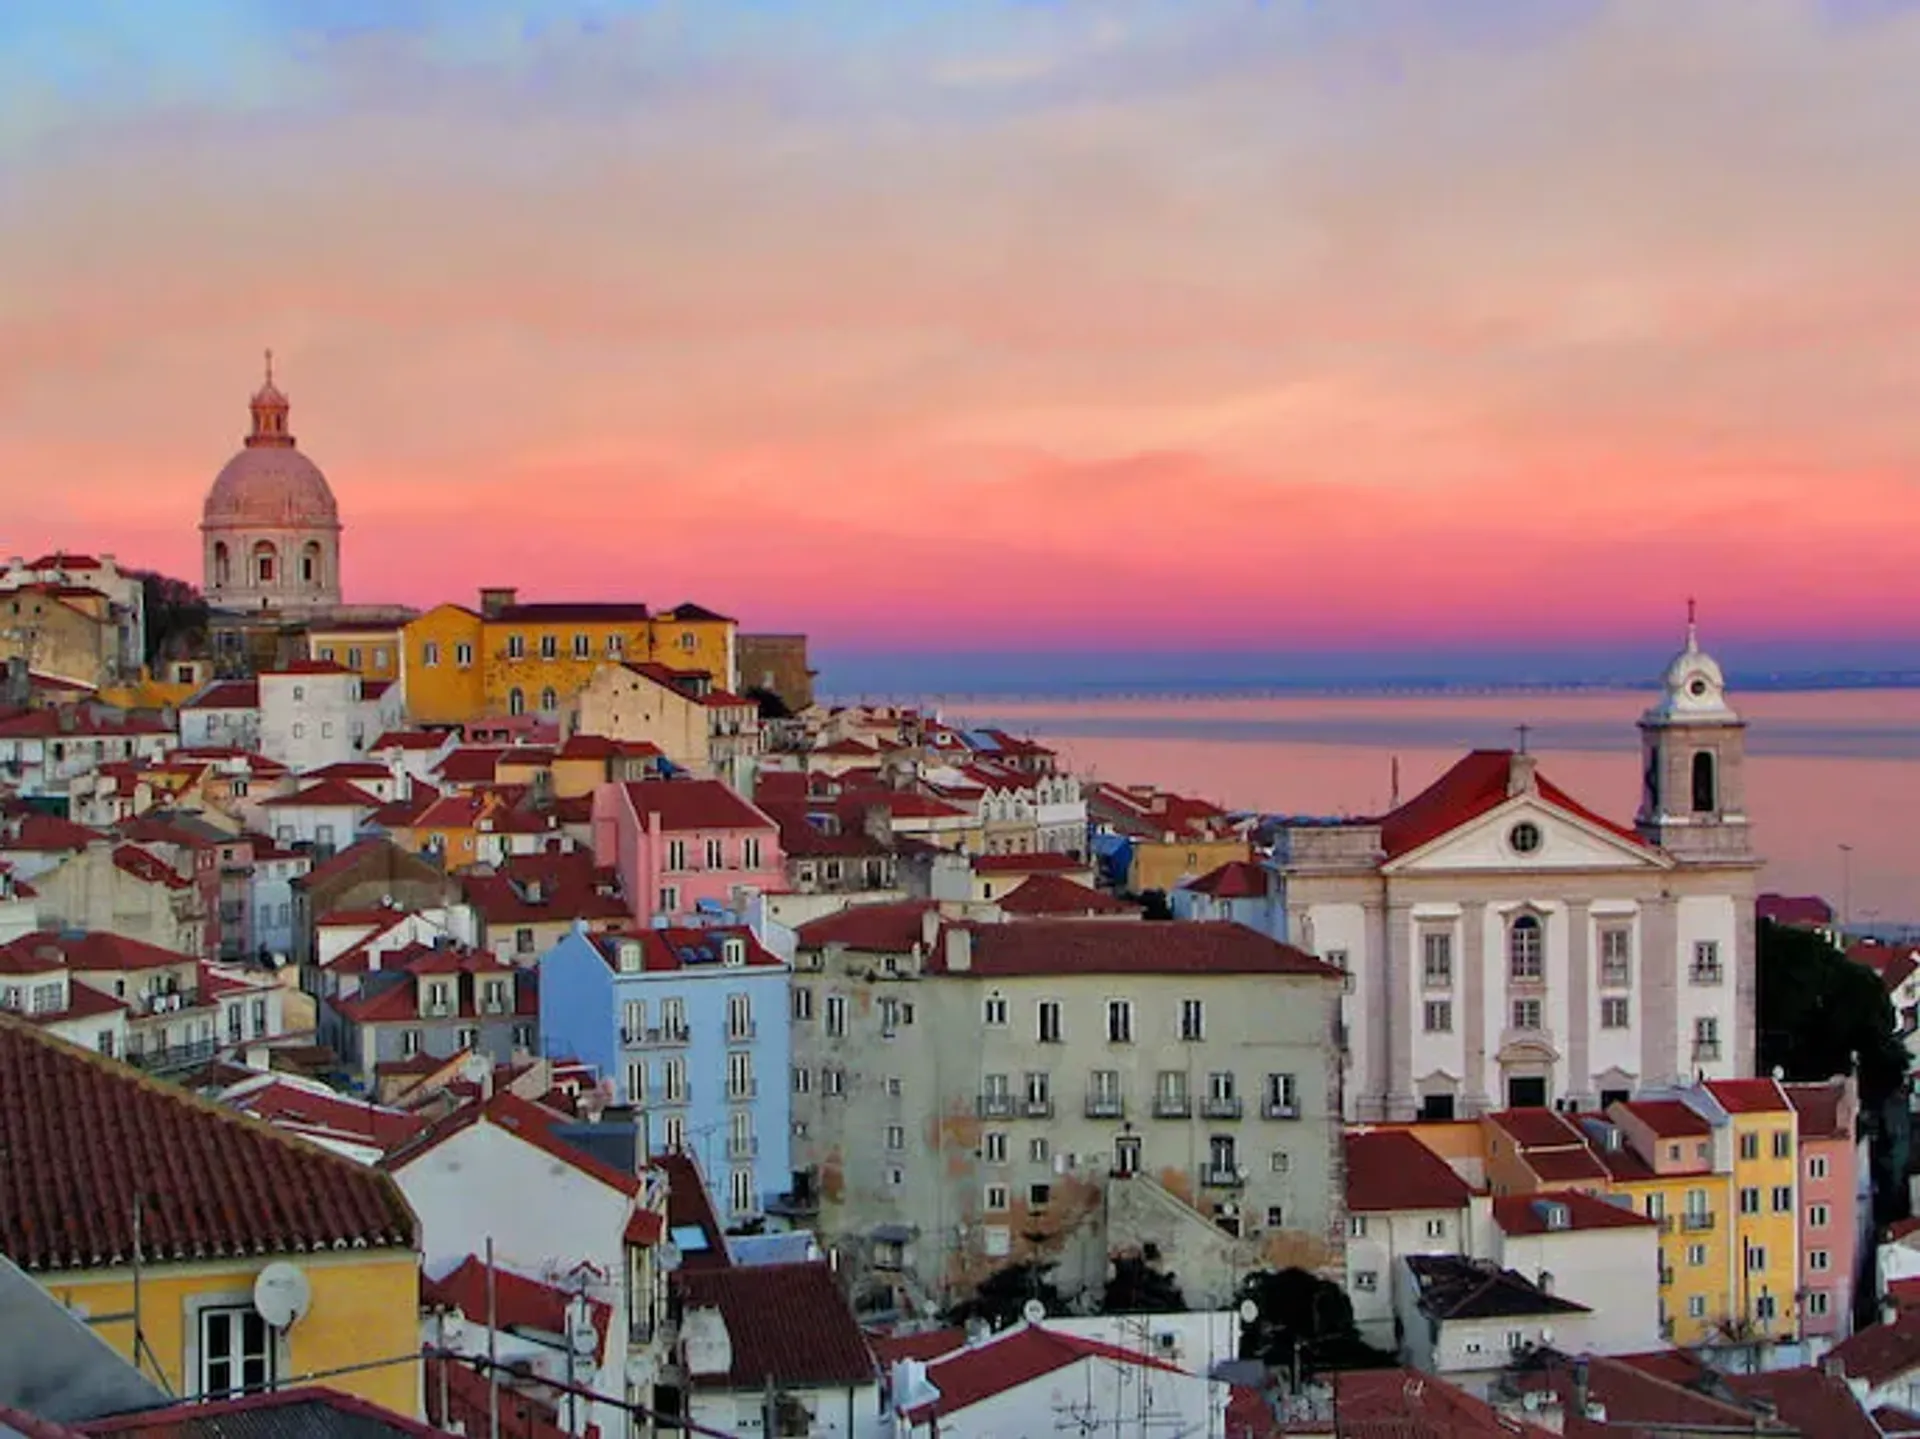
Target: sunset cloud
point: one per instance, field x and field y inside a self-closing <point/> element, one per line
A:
<point x="997" y="323"/>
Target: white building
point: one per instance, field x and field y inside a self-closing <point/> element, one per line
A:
<point x="124" y="591"/>
<point x="270" y="897"/>
<point x="1402" y="1199"/>
<point x="43" y="751"/>
<point x="1585" y="1248"/>
<point x="316" y="713"/>
<point x="223" y="715"/>
<point x="1468" y="1319"/>
<point x="1510" y="947"/>
<point x="1035" y="1379"/>
<point x="326" y="816"/>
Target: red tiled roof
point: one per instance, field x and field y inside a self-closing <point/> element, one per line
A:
<point x="1894" y="963"/>
<point x="800" y="838"/>
<point x="665" y="951"/>
<point x="898" y="803"/>
<point x="1895" y="1422"/>
<point x="693" y="804"/>
<point x="1407" y="1404"/>
<point x="1669" y="1118"/>
<point x="569" y="611"/>
<point x="36" y="833"/>
<point x="227" y="695"/>
<point x="1056" y="894"/>
<point x="646" y="1228"/>
<point x="203" y="1417"/>
<point x="1474" y="786"/>
<point x="688" y="612"/>
<point x="147" y="868"/>
<point x="1036" y="863"/>
<point x="470" y="764"/>
<point x="59" y="560"/>
<point x="569" y="885"/>
<point x="518" y="1301"/>
<point x="1094" y="946"/>
<point x="408" y="739"/>
<point x="1236" y="879"/>
<point x="351" y="769"/>
<point x="327" y="794"/>
<point x="1818" y="1107"/>
<point x="930" y="1344"/>
<point x="85" y="1135"/>
<point x="296" y="1106"/>
<point x="83" y="1002"/>
<point x="399" y="1001"/>
<point x="1016" y="1357"/>
<point x="1812" y="1402"/>
<point x="1882" y="1352"/>
<point x="1388" y="1169"/>
<point x="67" y="723"/>
<point x="309" y="667"/>
<point x="1749" y="1096"/>
<point x="94" y="951"/>
<point x="595" y="746"/>
<point x="689" y="1206"/>
<point x="1527" y="1213"/>
<point x="1538" y="1128"/>
<point x="1804" y="911"/>
<point x="759" y="1304"/>
<point x="526" y="1121"/>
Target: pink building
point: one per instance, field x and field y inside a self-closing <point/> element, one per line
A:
<point x="681" y="843"/>
<point x="1833" y="1175"/>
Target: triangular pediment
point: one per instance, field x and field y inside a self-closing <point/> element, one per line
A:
<point x="1496" y="842"/>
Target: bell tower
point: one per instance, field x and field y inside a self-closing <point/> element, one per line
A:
<point x="1693" y="748"/>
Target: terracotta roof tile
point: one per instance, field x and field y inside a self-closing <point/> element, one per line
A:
<point x="1803" y="911"/>
<point x="891" y="928"/>
<point x="519" y="1301"/>
<point x="95" y="951"/>
<point x="525" y="1120"/>
<point x="1094" y="946"/>
<point x="1882" y="1352"/>
<point x="1474" y="786"/>
<point x="758" y="1304"/>
<point x="1036" y="863"/>
<point x="84" y="1135"/>
<point x="1819" y="1108"/>
<point x="38" y="833"/>
<point x="694" y="804"/>
<point x="543" y="888"/>
<point x="1749" y="1096"/>
<point x="1529" y="1213"/>
<point x="1236" y="879"/>
<point x="690" y="1207"/>
<point x="1015" y="1357"/>
<point x="1812" y="1402"/>
<point x="1389" y="1169"/>
<point x="1669" y="1118"/>
<point x="1054" y="894"/>
<point x="327" y="794"/>
<point x="668" y="950"/>
<point x="226" y="695"/>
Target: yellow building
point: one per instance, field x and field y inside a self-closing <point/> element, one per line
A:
<point x="509" y="658"/>
<point x="371" y="650"/>
<point x="67" y="632"/>
<point x="1673" y="1164"/>
<point x="1763" y="1257"/>
<point x="154" y="1214"/>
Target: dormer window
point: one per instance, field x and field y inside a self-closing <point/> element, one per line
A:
<point x="733" y="952"/>
<point x="629" y="956"/>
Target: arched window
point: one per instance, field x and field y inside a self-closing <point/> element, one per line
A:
<point x="265" y="563"/>
<point x="222" y="563"/>
<point x="516" y="702"/>
<point x="1706" y="796"/>
<point x="310" y="564"/>
<point x="1523" y="948"/>
<point x="549" y="701"/>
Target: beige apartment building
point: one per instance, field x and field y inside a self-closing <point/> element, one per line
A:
<point x="973" y="1094"/>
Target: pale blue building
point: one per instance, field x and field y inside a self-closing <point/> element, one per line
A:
<point x="691" y="1027"/>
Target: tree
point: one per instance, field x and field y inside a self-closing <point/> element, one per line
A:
<point x="1137" y="1287"/>
<point x="1303" y="1322"/>
<point x="176" y="617"/>
<point x="772" y="707"/>
<point x="1821" y="1015"/>
<point x="1154" y="905"/>
<point x="1002" y="1297"/>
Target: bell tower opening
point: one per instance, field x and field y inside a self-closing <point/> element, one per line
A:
<point x="1693" y="745"/>
<point x="1705" y="792"/>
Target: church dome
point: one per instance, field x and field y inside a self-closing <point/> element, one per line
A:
<point x="270" y="484"/>
<point x="1694" y="688"/>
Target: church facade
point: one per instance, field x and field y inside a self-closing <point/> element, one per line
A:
<point x="1507" y="946"/>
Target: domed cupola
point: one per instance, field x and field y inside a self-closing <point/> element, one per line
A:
<point x="270" y="524"/>
<point x="1693" y="744"/>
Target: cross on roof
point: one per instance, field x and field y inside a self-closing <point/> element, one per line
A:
<point x="1523" y="731"/>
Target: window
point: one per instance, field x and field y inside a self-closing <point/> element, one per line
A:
<point x="549" y="647"/>
<point x="1817" y="1302"/>
<point x="1436" y="947"/>
<point x="993" y="1011"/>
<point x="1696" y="1306"/>
<point x="1276" y="1217"/>
<point x="836" y="1016"/>
<point x="1367" y="1281"/>
<point x="1524" y="837"/>
<point x="1523" y="949"/>
<point x="549" y="700"/>
<point x="1782" y="1144"/>
<point x="516" y="647"/>
<point x="1193" y="1020"/>
<point x="750" y="852"/>
<point x="583" y="647"/>
<point x="353" y="658"/>
<point x="673" y="1088"/>
<point x="1439" y="1016"/>
<point x="1749" y="1200"/>
<point x="516" y="701"/>
<point x="1749" y="1146"/>
<point x="1526" y="1014"/>
<point x="996" y="1198"/>
<point x="669" y="899"/>
<point x="430" y="654"/>
<point x="1783" y="1199"/>
<point x="1696" y="1256"/>
<point x="1616" y="956"/>
<point x="740" y="1074"/>
<point x="463" y="655"/>
<point x="1705" y="790"/>
<point x="1819" y="1260"/>
<point x="833" y="1082"/>
<point x="802" y="1003"/>
<point x="1706" y="1038"/>
<point x="1764" y="1307"/>
<point x="236" y="1352"/>
<point x="1706" y="962"/>
<point x="1436" y="1229"/>
<point x="1281" y="1097"/>
<point x="1039" y="1091"/>
<point x="996" y="1146"/>
<point x="1119" y="1021"/>
<point x="676" y="854"/>
<point x="614" y="645"/>
<point x="1047" y="1021"/>
<point x="739" y="1016"/>
<point x="409" y="1043"/>
<point x="1817" y="1166"/>
<point x="1126" y="1155"/>
<point x="1280" y="1162"/>
<point x="1614" y="1012"/>
<point x="1039" y="1151"/>
<point x="740" y="1190"/>
<point x="1223" y="1159"/>
<point x="636" y="1081"/>
<point x="896" y="1136"/>
<point x="716" y="854"/>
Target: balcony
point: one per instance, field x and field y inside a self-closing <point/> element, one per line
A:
<point x="742" y="1146"/>
<point x="1706" y="1049"/>
<point x="997" y="1106"/>
<point x="1280" y="1109"/>
<point x="1668" y="1223"/>
<point x="1216" y="1177"/>
<point x="1106" y="1106"/>
<point x="174" y="1057"/>
<point x="1037" y="1108"/>
<point x="1666" y="1278"/>
<point x="1697" y="1222"/>
<point x="1218" y="1106"/>
<point x="740" y="1091"/>
<point x="1705" y="974"/>
<point x="669" y="1034"/>
<point x="1172" y="1106"/>
<point x="742" y="1033"/>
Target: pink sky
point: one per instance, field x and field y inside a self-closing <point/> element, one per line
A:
<point x="1060" y="331"/>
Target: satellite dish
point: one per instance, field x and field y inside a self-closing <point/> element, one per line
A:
<point x="281" y="1294"/>
<point x="1033" y="1311"/>
<point x="1249" y="1311"/>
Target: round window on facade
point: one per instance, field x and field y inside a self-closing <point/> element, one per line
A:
<point x="1524" y="837"/>
<point x="1697" y="688"/>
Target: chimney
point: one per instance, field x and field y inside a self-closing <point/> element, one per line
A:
<point x="959" y="949"/>
<point x="929" y="926"/>
<point x="1520" y="775"/>
<point x="496" y="599"/>
<point x="19" y="685"/>
<point x="1889" y="1311"/>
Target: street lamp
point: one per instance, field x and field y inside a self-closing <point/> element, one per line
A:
<point x="1846" y="885"/>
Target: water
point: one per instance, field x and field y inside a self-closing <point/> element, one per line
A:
<point x="1825" y="769"/>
